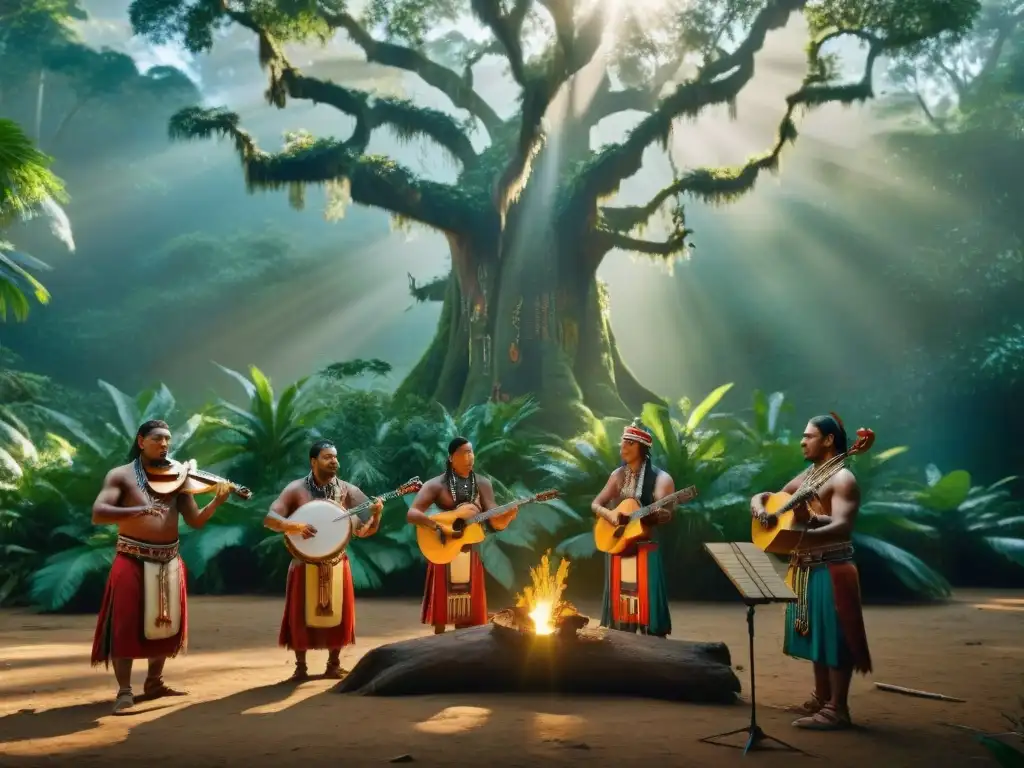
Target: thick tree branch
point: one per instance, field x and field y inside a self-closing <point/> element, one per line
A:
<point x="672" y="245"/>
<point x="373" y="180"/>
<point x="602" y="175"/>
<point x="936" y="122"/>
<point x="575" y="49"/>
<point x="404" y="117"/>
<point x="640" y="99"/>
<point x="725" y="184"/>
<point x="432" y="290"/>
<point x="507" y="29"/>
<point x="445" y="80"/>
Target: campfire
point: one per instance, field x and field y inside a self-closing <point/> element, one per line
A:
<point x="540" y="609"/>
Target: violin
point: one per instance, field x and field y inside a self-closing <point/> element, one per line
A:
<point x="179" y="477"/>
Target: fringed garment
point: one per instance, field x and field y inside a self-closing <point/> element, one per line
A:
<point x="826" y="624"/>
<point x="635" y="595"/>
<point x="456" y="593"/>
<point x="141" y="572"/>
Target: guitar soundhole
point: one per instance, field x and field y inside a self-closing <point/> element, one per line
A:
<point x="458" y="527"/>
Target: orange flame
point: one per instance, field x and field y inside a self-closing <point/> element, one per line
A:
<point x="543" y="599"/>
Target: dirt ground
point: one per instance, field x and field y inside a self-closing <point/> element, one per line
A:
<point x="54" y="707"/>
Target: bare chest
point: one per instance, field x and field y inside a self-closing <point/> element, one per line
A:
<point x="446" y="502"/>
<point x="821" y="502"/>
<point x="159" y="528"/>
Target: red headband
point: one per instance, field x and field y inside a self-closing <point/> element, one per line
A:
<point x="637" y="434"/>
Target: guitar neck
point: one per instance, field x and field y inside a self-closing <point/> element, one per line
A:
<point x="495" y="511"/>
<point x="655" y="506"/>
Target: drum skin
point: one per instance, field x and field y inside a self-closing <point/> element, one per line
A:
<point x="332" y="535"/>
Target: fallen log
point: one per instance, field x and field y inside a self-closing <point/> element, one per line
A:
<point x="497" y="659"/>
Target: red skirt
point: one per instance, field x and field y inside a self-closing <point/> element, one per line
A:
<point x="295" y="635"/>
<point x="436" y="593"/>
<point x="119" y="628"/>
<point x="846" y="591"/>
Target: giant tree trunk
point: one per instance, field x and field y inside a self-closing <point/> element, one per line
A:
<point x="563" y="352"/>
<point x="524" y="313"/>
<point x="492" y="659"/>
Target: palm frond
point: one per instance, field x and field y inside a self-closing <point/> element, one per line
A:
<point x="55" y="584"/>
<point x="910" y="570"/>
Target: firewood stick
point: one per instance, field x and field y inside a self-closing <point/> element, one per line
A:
<point x="914" y="692"/>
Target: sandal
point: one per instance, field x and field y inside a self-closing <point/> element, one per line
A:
<point x="334" y="671"/>
<point x="125" y="700"/>
<point x="154" y="688"/>
<point x="828" y="718"/>
<point x="301" y="672"/>
<point x="809" y="707"/>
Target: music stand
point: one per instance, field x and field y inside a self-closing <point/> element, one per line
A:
<point x="755" y="578"/>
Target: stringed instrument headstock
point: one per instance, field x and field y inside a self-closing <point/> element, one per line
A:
<point x="547" y="495"/>
<point x="865" y="439"/>
<point x="411" y="485"/>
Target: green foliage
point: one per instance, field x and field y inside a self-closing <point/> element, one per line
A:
<point x="26" y="186"/>
<point x="353" y="369"/>
<point x="266" y="439"/>
<point x="901" y="22"/>
<point x="967" y="520"/>
<point x="25" y="177"/>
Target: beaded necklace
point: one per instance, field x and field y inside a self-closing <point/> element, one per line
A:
<point x="462" y="489"/>
<point x="140" y="480"/>
<point x="330" y="491"/>
<point x="633" y="484"/>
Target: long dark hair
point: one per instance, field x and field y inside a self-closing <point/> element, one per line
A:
<point x="830" y="425"/>
<point x="144" y="430"/>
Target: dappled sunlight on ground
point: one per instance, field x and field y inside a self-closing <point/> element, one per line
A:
<point x="451" y="720"/>
<point x="55" y="708"/>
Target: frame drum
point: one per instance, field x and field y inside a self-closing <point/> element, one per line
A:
<point x="331" y="537"/>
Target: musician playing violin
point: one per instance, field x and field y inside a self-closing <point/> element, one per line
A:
<point x="321" y="483"/>
<point x="826" y="625"/>
<point x="635" y="596"/>
<point x="144" y="614"/>
<point x="455" y="594"/>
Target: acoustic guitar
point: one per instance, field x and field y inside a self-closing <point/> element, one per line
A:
<point x="462" y="527"/>
<point x="613" y="539"/>
<point x="785" y="535"/>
